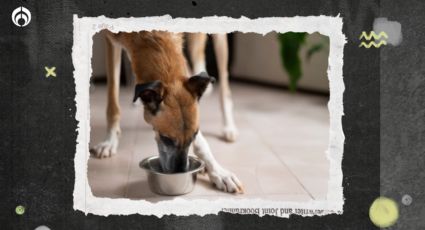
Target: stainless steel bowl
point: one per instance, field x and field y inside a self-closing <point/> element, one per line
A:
<point x="171" y="184"/>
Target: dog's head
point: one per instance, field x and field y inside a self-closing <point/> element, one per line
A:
<point x="172" y="110"/>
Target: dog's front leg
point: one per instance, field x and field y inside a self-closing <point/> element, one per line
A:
<point x="222" y="178"/>
<point x="109" y="146"/>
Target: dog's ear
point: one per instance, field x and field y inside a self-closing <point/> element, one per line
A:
<point x="151" y="94"/>
<point x="198" y="84"/>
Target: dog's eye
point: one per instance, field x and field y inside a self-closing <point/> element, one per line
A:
<point x="166" y="140"/>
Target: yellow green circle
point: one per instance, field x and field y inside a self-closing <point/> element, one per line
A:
<point x="383" y="212"/>
<point x="20" y="209"/>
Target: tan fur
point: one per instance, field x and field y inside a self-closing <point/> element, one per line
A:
<point x="197" y="43"/>
<point x="159" y="55"/>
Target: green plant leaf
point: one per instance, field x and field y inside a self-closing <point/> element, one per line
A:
<point x="290" y="44"/>
<point x="314" y="49"/>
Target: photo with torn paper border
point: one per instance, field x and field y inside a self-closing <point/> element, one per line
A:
<point x="197" y="116"/>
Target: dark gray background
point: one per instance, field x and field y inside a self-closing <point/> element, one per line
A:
<point x="384" y="99"/>
<point x="403" y="113"/>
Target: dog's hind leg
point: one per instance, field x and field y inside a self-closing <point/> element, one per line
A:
<point x="222" y="55"/>
<point x="196" y="45"/>
<point x="109" y="146"/>
<point x="222" y="178"/>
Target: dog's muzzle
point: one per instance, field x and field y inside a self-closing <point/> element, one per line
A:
<point x="174" y="161"/>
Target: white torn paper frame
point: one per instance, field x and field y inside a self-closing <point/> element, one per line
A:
<point x="86" y="27"/>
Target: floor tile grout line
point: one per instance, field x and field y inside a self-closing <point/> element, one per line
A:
<point x="136" y="136"/>
<point x="256" y="165"/>
<point x="258" y="182"/>
<point x="244" y="119"/>
<point x="281" y="161"/>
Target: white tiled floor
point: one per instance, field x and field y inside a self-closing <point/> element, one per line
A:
<point x="279" y="154"/>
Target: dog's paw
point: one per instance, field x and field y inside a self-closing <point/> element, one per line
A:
<point x="230" y="133"/>
<point x="105" y="149"/>
<point x="225" y="180"/>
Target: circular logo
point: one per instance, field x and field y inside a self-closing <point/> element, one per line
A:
<point x="20" y="210"/>
<point x="383" y="212"/>
<point x="21" y="16"/>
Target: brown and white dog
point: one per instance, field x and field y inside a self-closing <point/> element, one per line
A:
<point x="170" y="98"/>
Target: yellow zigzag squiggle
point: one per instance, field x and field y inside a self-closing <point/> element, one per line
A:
<point x="367" y="46"/>
<point x="372" y="34"/>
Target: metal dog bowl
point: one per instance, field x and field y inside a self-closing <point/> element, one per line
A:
<point x="171" y="184"/>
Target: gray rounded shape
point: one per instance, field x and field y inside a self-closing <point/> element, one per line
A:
<point x="171" y="184"/>
<point x="406" y="200"/>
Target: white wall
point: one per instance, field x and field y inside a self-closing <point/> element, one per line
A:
<point x="258" y="58"/>
<point x="98" y="58"/>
